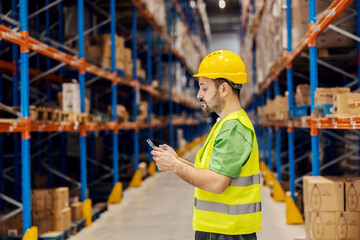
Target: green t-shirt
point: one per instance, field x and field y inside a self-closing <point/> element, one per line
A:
<point x="232" y="148"/>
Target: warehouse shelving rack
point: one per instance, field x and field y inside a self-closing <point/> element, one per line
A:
<point x="265" y="129"/>
<point x="25" y="127"/>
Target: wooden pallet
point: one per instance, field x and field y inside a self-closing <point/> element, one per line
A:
<point x="77" y="226"/>
<point x="56" y="235"/>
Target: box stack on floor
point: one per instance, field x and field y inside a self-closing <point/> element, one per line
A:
<point x="50" y="210"/>
<point x="332" y="208"/>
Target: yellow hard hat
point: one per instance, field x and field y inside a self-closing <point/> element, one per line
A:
<point x="223" y="64"/>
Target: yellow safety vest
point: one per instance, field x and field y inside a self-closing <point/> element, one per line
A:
<point x="237" y="210"/>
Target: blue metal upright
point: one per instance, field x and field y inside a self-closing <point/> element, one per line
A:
<point x="358" y="43"/>
<point x="263" y="132"/>
<point x="289" y="74"/>
<point x="277" y="138"/>
<point x="48" y="90"/>
<point x="1" y="139"/>
<point x="313" y="86"/>
<point x="161" y="103"/>
<point x="37" y="30"/>
<point x="83" y="174"/>
<point x="114" y="92"/>
<point x="25" y="141"/>
<point x="61" y="72"/>
<point x="269" y="135"/>
<point x="15" y="59"/>
<point x="170" y="56"/>
<point x="254" y="77"/>
<point x="136" y="90"/>
<point x="149" y="81"/>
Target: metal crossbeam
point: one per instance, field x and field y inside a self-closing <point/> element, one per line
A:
<point x="336" y="160"/>
<point x="88" y="31"/>
<point x="92" y="80"/>
<point x="9" y="20"/>
<point x="343" y="32"/>
<point x="63" y="176"/>
<point x="44" y="8"/>
<point x="54" y="69"/>
<point x="336" y="69"/>
<point x="13" y="202"/>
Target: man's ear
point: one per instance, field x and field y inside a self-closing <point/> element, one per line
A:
<point x="224" y="89"/>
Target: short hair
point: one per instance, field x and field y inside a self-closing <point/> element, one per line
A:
<point x="235" y="87"/>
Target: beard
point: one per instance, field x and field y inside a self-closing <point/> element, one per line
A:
<point x="214" y="105"/>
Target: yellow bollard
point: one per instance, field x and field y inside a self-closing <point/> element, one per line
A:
<point x="116" y="194"/>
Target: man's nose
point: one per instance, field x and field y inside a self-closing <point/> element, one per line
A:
<point x="199" y="96"/>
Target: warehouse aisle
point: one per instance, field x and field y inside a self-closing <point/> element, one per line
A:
<point x="162" y="210"/>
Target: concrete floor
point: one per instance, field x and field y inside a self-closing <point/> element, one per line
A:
<point x="161" y="209"/>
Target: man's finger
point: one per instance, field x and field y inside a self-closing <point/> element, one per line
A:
<point x="158" y="149"/>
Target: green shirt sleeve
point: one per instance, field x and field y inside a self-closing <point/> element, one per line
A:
<point x="232" y="149"/>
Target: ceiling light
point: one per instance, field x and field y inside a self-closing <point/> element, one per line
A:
<point x="222" y="4"/>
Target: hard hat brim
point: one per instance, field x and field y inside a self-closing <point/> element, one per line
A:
<point x="237" y="78"/>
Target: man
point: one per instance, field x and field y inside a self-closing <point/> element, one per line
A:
<point x="226" y="175"/>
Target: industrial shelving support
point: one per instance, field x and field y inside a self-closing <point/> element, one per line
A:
<point x="159" y="71"/>
<point x="83" y="172"/>
<point x="289" y="77"/>
<point x="313" y="86"/>
<point x="24" y="100"/>
<point x="277" y="138"/>
<point x="114" y="93"/>
<point x="26" y="43"/>
<point x="170" y="69"/>
<point x="15" y="92"/>
<point x="1" y="134"/>
<point x="149" y="82"/>
<point x="269" y="135"/>
<point x="136" y="95"/>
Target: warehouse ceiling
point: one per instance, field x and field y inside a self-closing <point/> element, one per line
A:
<point x="223" y="20"/>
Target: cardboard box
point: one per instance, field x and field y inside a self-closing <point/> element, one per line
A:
<point x="76" y="211"/>
<point x="302" y="95"/>
<point x="352" y="195"/>
<point x="326" y="95"/>
<point x="143" y="111"/>
<point x="71" y="97"/>
<point x="61" y="198"/>
<point x="348" y="225"/>
<point x="12" y="227"/>
<point x="347" y="104"/>
<point x="61" y="220"/>
<point x="323" y="225"/>
<point x="324" y="195"/>
<point x="41" y="200"/>
<point x="41" y="219"/>
<point x="40" y="181"/>
<point x="128" y="55"/>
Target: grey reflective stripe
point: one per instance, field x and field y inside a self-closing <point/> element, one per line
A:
<point x="227" y="209"/>
<point x="245" y="181"/>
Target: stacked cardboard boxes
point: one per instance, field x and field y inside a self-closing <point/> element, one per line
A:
<point x="121" y="112"/>
<point x="331" y="208"/>
<point x="106" y="51"/>
<point x="50" y="209"/>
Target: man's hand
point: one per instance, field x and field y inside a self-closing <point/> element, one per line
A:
<point x="168" y="148"/>
<point x="165" y="160"/>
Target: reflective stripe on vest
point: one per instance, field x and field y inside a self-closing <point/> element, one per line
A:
<point x="227" y="209"/>
<point x="245" y="181"/>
